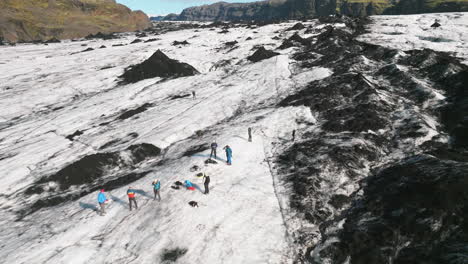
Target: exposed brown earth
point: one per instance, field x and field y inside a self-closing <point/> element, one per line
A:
<point x="29" y="20"/>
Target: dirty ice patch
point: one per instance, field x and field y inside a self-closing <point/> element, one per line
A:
<point x="314" y="74"/>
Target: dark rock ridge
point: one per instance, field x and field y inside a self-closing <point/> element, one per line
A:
<point x="88" y="49"/>
<point x="435" y="25"/>
<point x="101" y="35"/>
<point x="262" y="10"/>
<point x="107" y="170"/>
<point x="141" y="35"/>
<point x="195" y="149"/>
<point x="298" y="9"/>
<point x="179" y="96"/>
<point x="119" y="141"/>
<point x="262" y="54"/>
<point x="158" y="65"/>
<point x="132" y="112"/>
<point x="412" y="211"/>
<point x="136" y="41"/>
<point x="151" y="40"/>
<point x="52" y="40"/>
<point x="297" y="26"/>
<point x="157" y="18"/>
<point x="294" y="40"/>
<point x="176" y="43"/>
<point x="383" y="173"/>
<point x="76" y="134"/>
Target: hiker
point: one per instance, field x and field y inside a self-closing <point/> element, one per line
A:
<point x="193" y="94"/>
<point x="189" y="185"/>
<point x="131" y="198"/>
<point x="214" y="146"/>
<point x="206" y="182"/>
<point x="228" y="154"/>
<point x="102" y="200"/>
<point x="249" y="131"/>
<point x="156" y="186"/>
<point x="293" y="134"/>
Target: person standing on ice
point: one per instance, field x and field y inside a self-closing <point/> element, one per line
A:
<point x="206" y="182"/>
<point x="249" y="131"/>
<point x="131" y="198"/>
<point x="228" y="154"/>
<point x="214" y="146"/>
<point x="293" y="134"/>
<point x="194" y="95"/>
<point x="189" y="185"/>
<point x="156" y="187"/>
<point x="102" y="202"/>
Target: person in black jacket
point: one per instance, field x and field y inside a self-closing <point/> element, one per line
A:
<point x="214" y="145"/>
<point x="206" y="182"/>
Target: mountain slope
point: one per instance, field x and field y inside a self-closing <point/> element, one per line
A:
<point x="45" y="19"/>
<point x="298" y="9"/>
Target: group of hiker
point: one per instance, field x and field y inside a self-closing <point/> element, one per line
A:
<point x="131" y="193"/>
<point x="227" y="149"/>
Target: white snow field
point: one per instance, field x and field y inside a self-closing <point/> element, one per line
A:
<point x="408" y="32"/>
<point x="238" y="222"/>
<point x="49" y="92"/>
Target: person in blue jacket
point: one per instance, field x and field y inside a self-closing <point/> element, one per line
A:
<point x="102" y="202"/>
<point x="189" y="185"/>
<point x="156" y="187"/>
<point x="228" y="154"/>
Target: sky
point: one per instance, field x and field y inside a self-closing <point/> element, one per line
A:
<point x="164" y="7"/>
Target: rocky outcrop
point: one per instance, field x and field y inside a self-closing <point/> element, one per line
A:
<point x="107" y="170"/>
<point x="29" y="20"/>
<point x="262" y="10"/>
<point x="158" y="65"/>
<point x="412" y="211"/>
<point x="171" y="17"/>
<point x="298" y="9"/>
<point x="223" y="11"/>
<point x="382" y="176"/>
<point x="262" y="54"/>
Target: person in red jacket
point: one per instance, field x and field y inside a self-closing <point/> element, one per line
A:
<point x="131" y="198"/>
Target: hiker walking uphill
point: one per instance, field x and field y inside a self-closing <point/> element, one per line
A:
<point x="249" y="131"/>
<point x="228" y="154"/>
<point x="102" y="200"/>
<point x="206" y="182"/>
<point x="131" y="198"/>
<point x="156" y="187"/>
<point x="214" y="146"/>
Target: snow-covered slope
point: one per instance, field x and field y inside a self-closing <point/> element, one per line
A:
<point x="64" y="113"/>
<point x="415" y="32"/>
<point x="49" y="92"/>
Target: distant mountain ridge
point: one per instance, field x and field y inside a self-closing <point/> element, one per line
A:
<point x="297" y="9"/>
<point x="29" y="20"/>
